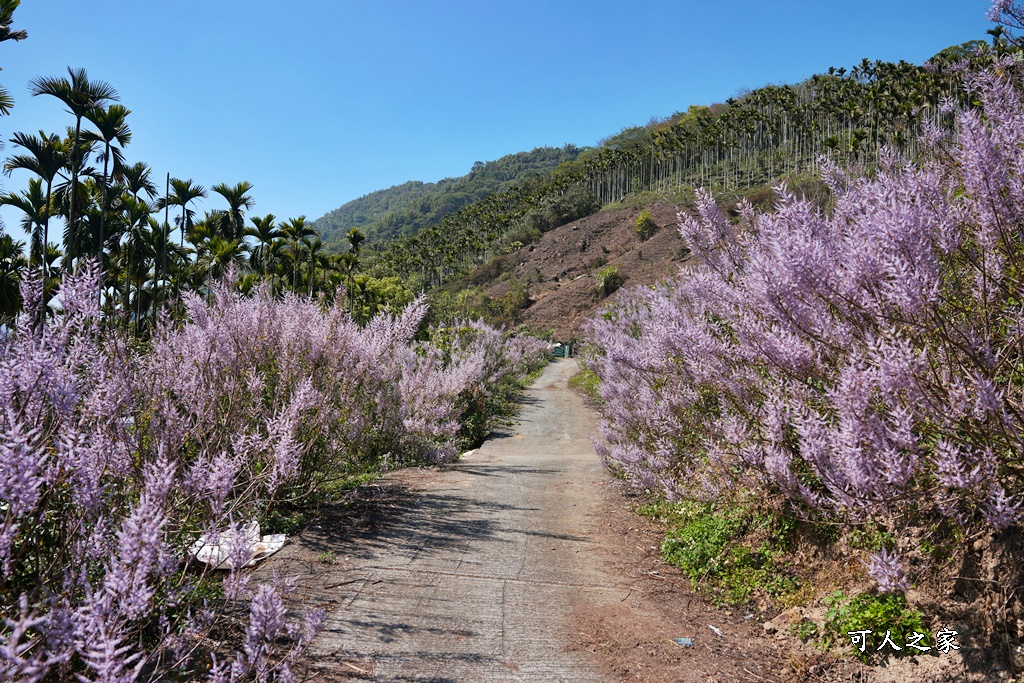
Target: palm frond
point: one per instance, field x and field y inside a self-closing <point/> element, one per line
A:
<point x="6" y="101"/>
<point x="7" y="8"/>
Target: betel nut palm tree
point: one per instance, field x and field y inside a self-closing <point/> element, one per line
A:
<point x="111" y="128"/>
<point x="80" y="95"/>
<point x="136" y="179"/>
<point x="265" y="231"/>
<point x="238" y="199"/>
<point x="7" y="8"/>
<point x="12" y="267"/>
<point x="183" y="193"/>
<point x="47" y="155"/>
<point x="33" y="204"/>
<point x="295" y="230"/>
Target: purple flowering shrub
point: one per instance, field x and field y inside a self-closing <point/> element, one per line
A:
<point x="99" y="502"/>
<point x="1009" y="14"/>
<point x="255" y="391"/>
<point x="483" y="368"/>
<point x="285" y="386"/>
<point x="864" y="361"/>
<point x="113" y="461"/>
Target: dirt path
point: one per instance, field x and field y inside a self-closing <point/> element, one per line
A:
<point x="519" y="563"/>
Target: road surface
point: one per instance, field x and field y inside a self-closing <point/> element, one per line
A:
<point x="473" y="577"/>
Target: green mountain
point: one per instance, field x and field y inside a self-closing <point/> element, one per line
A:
<point x="778" y="133"/>
<point x="403" y="210"/>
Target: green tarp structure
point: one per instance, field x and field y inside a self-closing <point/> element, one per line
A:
<point x="564" y="350"/>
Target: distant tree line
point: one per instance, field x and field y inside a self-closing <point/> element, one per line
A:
<point x="141" y="229"/>
<point x="847" y="116"/>
<point x="404" y="210"/>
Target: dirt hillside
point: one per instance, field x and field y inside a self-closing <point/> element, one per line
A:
<point x="561" y="268"/>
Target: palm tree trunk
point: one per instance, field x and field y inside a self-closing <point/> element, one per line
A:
<point x="70" y="252"/>
<point x="156" y="307"/>
<point x="127" y="289"/>
<point x="46" y="226"/>
<point x="103" y="209"/>
<point x="138" y="307"/>
<point x="103" y="215"/>
<point x="166" y="227"/>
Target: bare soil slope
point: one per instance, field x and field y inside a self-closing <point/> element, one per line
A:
<point x="561" y="267"/>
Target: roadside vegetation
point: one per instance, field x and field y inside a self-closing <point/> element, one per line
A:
<point x="156" y="390"/>
<point x="836" y="373"/>
<point x="851" y="362"/>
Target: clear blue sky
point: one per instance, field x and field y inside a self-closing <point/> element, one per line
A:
<point x="319" y="102"/>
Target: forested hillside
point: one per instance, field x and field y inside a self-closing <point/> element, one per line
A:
<point x="403" y="210"/>
<point x="849" y="116"/>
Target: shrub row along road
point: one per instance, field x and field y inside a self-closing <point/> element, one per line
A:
<point x="474" y="573"/>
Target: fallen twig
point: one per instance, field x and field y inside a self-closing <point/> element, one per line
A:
<point x="345" y="583"/>
<point x="356" y="668"/>
<point x="753" y="674"/>
<point x="656" y="575"/>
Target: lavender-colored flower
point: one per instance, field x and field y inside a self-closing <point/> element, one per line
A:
<point x="109" y="458"/>
<point x="1001" y="511"/>
<point x="865" y="348"/>
<point x="1000" y="9"/>
<point x="104" y="645"/>
<point x="884" y="567"/>
<point x="21" y="659"/>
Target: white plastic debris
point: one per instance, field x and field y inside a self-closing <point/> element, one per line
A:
<point x="218" y="554"/>
<point x="717" y="631"/>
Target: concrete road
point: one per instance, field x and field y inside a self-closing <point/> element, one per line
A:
<point x="472" y="577"/>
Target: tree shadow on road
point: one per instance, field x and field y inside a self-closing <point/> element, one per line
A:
<point x="500" y="470"/>
<point x="395" y="519"/>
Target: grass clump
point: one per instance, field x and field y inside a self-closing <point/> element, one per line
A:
<point x="698" y="546"/>
<point x="645" y="226"/>
<point x="292" y="516"/>
<point x="732" y="552"/>
<point x="805" y="630"/>
<point x="876" y="614"/>
<point x="871" y="537"/>
<point x="609" y="279"/>
<point x="587" y="383"/>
